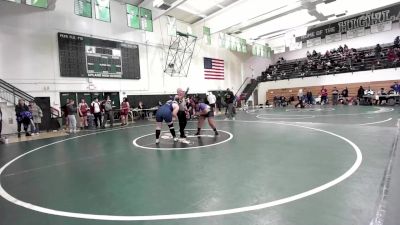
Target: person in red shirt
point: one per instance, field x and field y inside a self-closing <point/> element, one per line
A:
<point x="124" y="111"/>
<point x="83" y="109"/>
<point x="324" y="95"/>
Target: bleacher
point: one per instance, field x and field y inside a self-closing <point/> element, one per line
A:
<point x="287" y="69"/>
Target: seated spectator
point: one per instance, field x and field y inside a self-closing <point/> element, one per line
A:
<point x="327" y="54"/>
<point x="381" y="96"/>
<point x="396" y="43"/>
<point x="308" y="54"/>
<point x="142" y="108"/>
<point x="371" y="53"/>
<point x="378" y="50"/>
<point x="314" y="53"/>
<point x="346" y="49"/>
<point x="391" y="56"/>
<point x="340" y="49"/>
<point x="369" y="91"/>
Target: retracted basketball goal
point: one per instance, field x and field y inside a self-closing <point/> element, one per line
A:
<point x="180" y="53"/>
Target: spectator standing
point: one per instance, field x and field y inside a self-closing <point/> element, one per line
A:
<point x="65" y="112"/>
<point x="345" y="95"/>
<point x="378" y="50"/>
<point x="211" y="100"/>
<point x="309" y="97"/>
<point x="300" y="98"/>
<point x="72" y="116"/>
<point x="108" y="112"/>
<point x="219" y="102"/>
<point x="83" y="109"/>
<point x="396" y="88"/>
<point x="24" y="117"/>
<point x="124" y="111"/>
<point x="96" y="111"/>
<point x="229" y="100"/>
<point x="396" y="43"/>
<point x="324" y="95"/>
<point x="335" y="96"/>
<point x="142" y="110"/>
<point x="37" y="115"/>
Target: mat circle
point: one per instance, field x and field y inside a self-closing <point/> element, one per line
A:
<point x="206" y="139"/>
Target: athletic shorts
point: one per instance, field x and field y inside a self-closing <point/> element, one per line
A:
<point x="209" y="114"/>
<point x="212" y="106"/>
<point x="162" y="115"/>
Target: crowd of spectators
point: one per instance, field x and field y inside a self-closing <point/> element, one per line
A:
<point x="337" y="60"/>
<point x="335" y="96"/>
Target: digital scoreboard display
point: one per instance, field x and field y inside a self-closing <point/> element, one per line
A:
<point x="82" y="56"/>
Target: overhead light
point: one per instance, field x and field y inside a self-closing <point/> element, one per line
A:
<point x="191" y="11"/>
<point x="281" y="23"/>
<point x="201" y="6"/>
<point x="160" y="4"/>
<point x="341" y="14"/>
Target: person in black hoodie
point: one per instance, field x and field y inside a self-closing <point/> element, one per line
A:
<point x="23" y="117"/>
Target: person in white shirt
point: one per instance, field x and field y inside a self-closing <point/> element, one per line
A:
<point x="95" y="107"/>
<point x="211" y="100"/>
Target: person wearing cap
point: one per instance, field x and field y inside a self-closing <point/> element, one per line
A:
<point x="168" y="113"/>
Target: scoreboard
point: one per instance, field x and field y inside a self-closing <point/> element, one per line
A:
<point x="82" y="56"/>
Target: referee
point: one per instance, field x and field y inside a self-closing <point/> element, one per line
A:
<point x="182" y="111"/>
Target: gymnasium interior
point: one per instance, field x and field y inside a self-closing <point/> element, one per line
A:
<point x="194" y="112"/>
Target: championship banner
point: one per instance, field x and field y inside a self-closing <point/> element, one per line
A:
<point x="377" y="20"/>
<point x="207" y="35"/>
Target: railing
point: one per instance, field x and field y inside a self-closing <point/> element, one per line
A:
<point x="12" y="94"/>
<point x="243" y="86"/>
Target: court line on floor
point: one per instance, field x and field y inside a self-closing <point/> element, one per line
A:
<point x="382" y="121"/>
<point x="385" y="184"/>
<point x="287" y="117"/>
<point x="134" y="142"/>
<point x="94" y="132"/>
<point x="380" y="110"/>
<point x="299" y="196"/>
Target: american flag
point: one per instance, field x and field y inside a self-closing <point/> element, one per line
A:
<point x="213" y="69"/>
